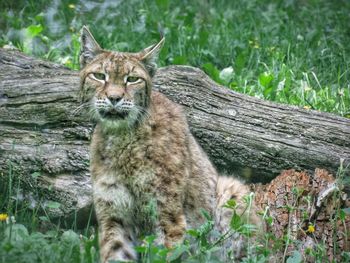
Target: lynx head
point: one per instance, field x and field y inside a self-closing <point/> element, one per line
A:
<point x="116" y="84"/>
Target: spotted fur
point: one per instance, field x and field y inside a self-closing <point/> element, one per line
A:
<point x="149" y="174"/>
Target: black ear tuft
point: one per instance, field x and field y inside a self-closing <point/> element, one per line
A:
<point x="89" y="47"/>
<point x="149" y="56"/>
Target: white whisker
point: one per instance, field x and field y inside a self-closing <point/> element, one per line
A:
<point x="80" y="108"/>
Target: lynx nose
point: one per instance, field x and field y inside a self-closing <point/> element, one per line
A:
<point x="115" y="99"/>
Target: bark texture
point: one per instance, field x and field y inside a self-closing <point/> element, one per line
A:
<point x="307" y="211"/>
<point x="252" y="137"/>
<point x="44" y="136"/>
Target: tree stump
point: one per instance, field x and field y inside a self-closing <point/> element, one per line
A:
<point x="307" y="210"/>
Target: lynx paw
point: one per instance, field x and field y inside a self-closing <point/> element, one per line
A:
<point x="118" y="253"/>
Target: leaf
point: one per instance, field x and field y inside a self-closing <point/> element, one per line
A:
<point x="43" y="218"/>
<point x="236" y="221"/>
<point x="193" y="232"/>
<point x="206" y="215"/>
<point x="70" y="238"/>
<point x="203" y="38"/>
<point x="53" y="204"/>
<point x="162" y="4"/>
<point x="180" y="60"/>
<point x="177" y="252"/>
<point x="34" y="30"/>
<point x="265" y="79"/>
<point x="39" y="17"/>
<point x="247" y="229"/>
<point x="52" y="233"/>
<point x="295" y="258"/>
<point x="17" y="232"/>
<point x="70" y="235"/>
<point x="212" y="71"/>
<point x="150" y="239"/>
<point x="342" y="215"/>
<point x="140" y="249"/>
<point x="269" y="220"/>
<point x="240" y="61"/>
<point x="35" y="175"/>
<point x="231" y="204"/>
<point x="343" y="212"/>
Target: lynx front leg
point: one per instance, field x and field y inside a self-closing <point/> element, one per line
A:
<point x="173" y="225"/>
<point x="172" y="220"/>
<point x="115" y="241"/>
<point x="170" y="199"/>
<point x="113" y="203"/>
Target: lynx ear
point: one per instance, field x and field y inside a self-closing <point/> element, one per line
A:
<point x="89" y="47"/>
<point x="149" y="56"/>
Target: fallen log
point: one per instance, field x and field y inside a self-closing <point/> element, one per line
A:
<point x="44" y="138"/>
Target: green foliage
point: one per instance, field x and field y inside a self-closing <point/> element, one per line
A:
<point x="289" y="51"/>
<point x="23" y="238"/>
<point x="17" y="245"/>
<point x="203" y="244"/>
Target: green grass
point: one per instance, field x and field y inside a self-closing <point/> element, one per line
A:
<point x="29" y="235"/>
<point x="291" y="51"/>
<point x="18" y="244"/>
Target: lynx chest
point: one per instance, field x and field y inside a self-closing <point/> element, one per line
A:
<point x="127" y="179"/>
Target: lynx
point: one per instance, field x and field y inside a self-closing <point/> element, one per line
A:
<point x="148" y="172"/>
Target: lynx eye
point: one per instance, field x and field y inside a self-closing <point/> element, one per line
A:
<point x="132" y="79"/>
<point x="99" y="76"/>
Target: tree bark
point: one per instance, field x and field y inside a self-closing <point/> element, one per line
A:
<point x="254" y="138"/>
<point x="307" y="211"/>
<point x="44" y="137"/>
